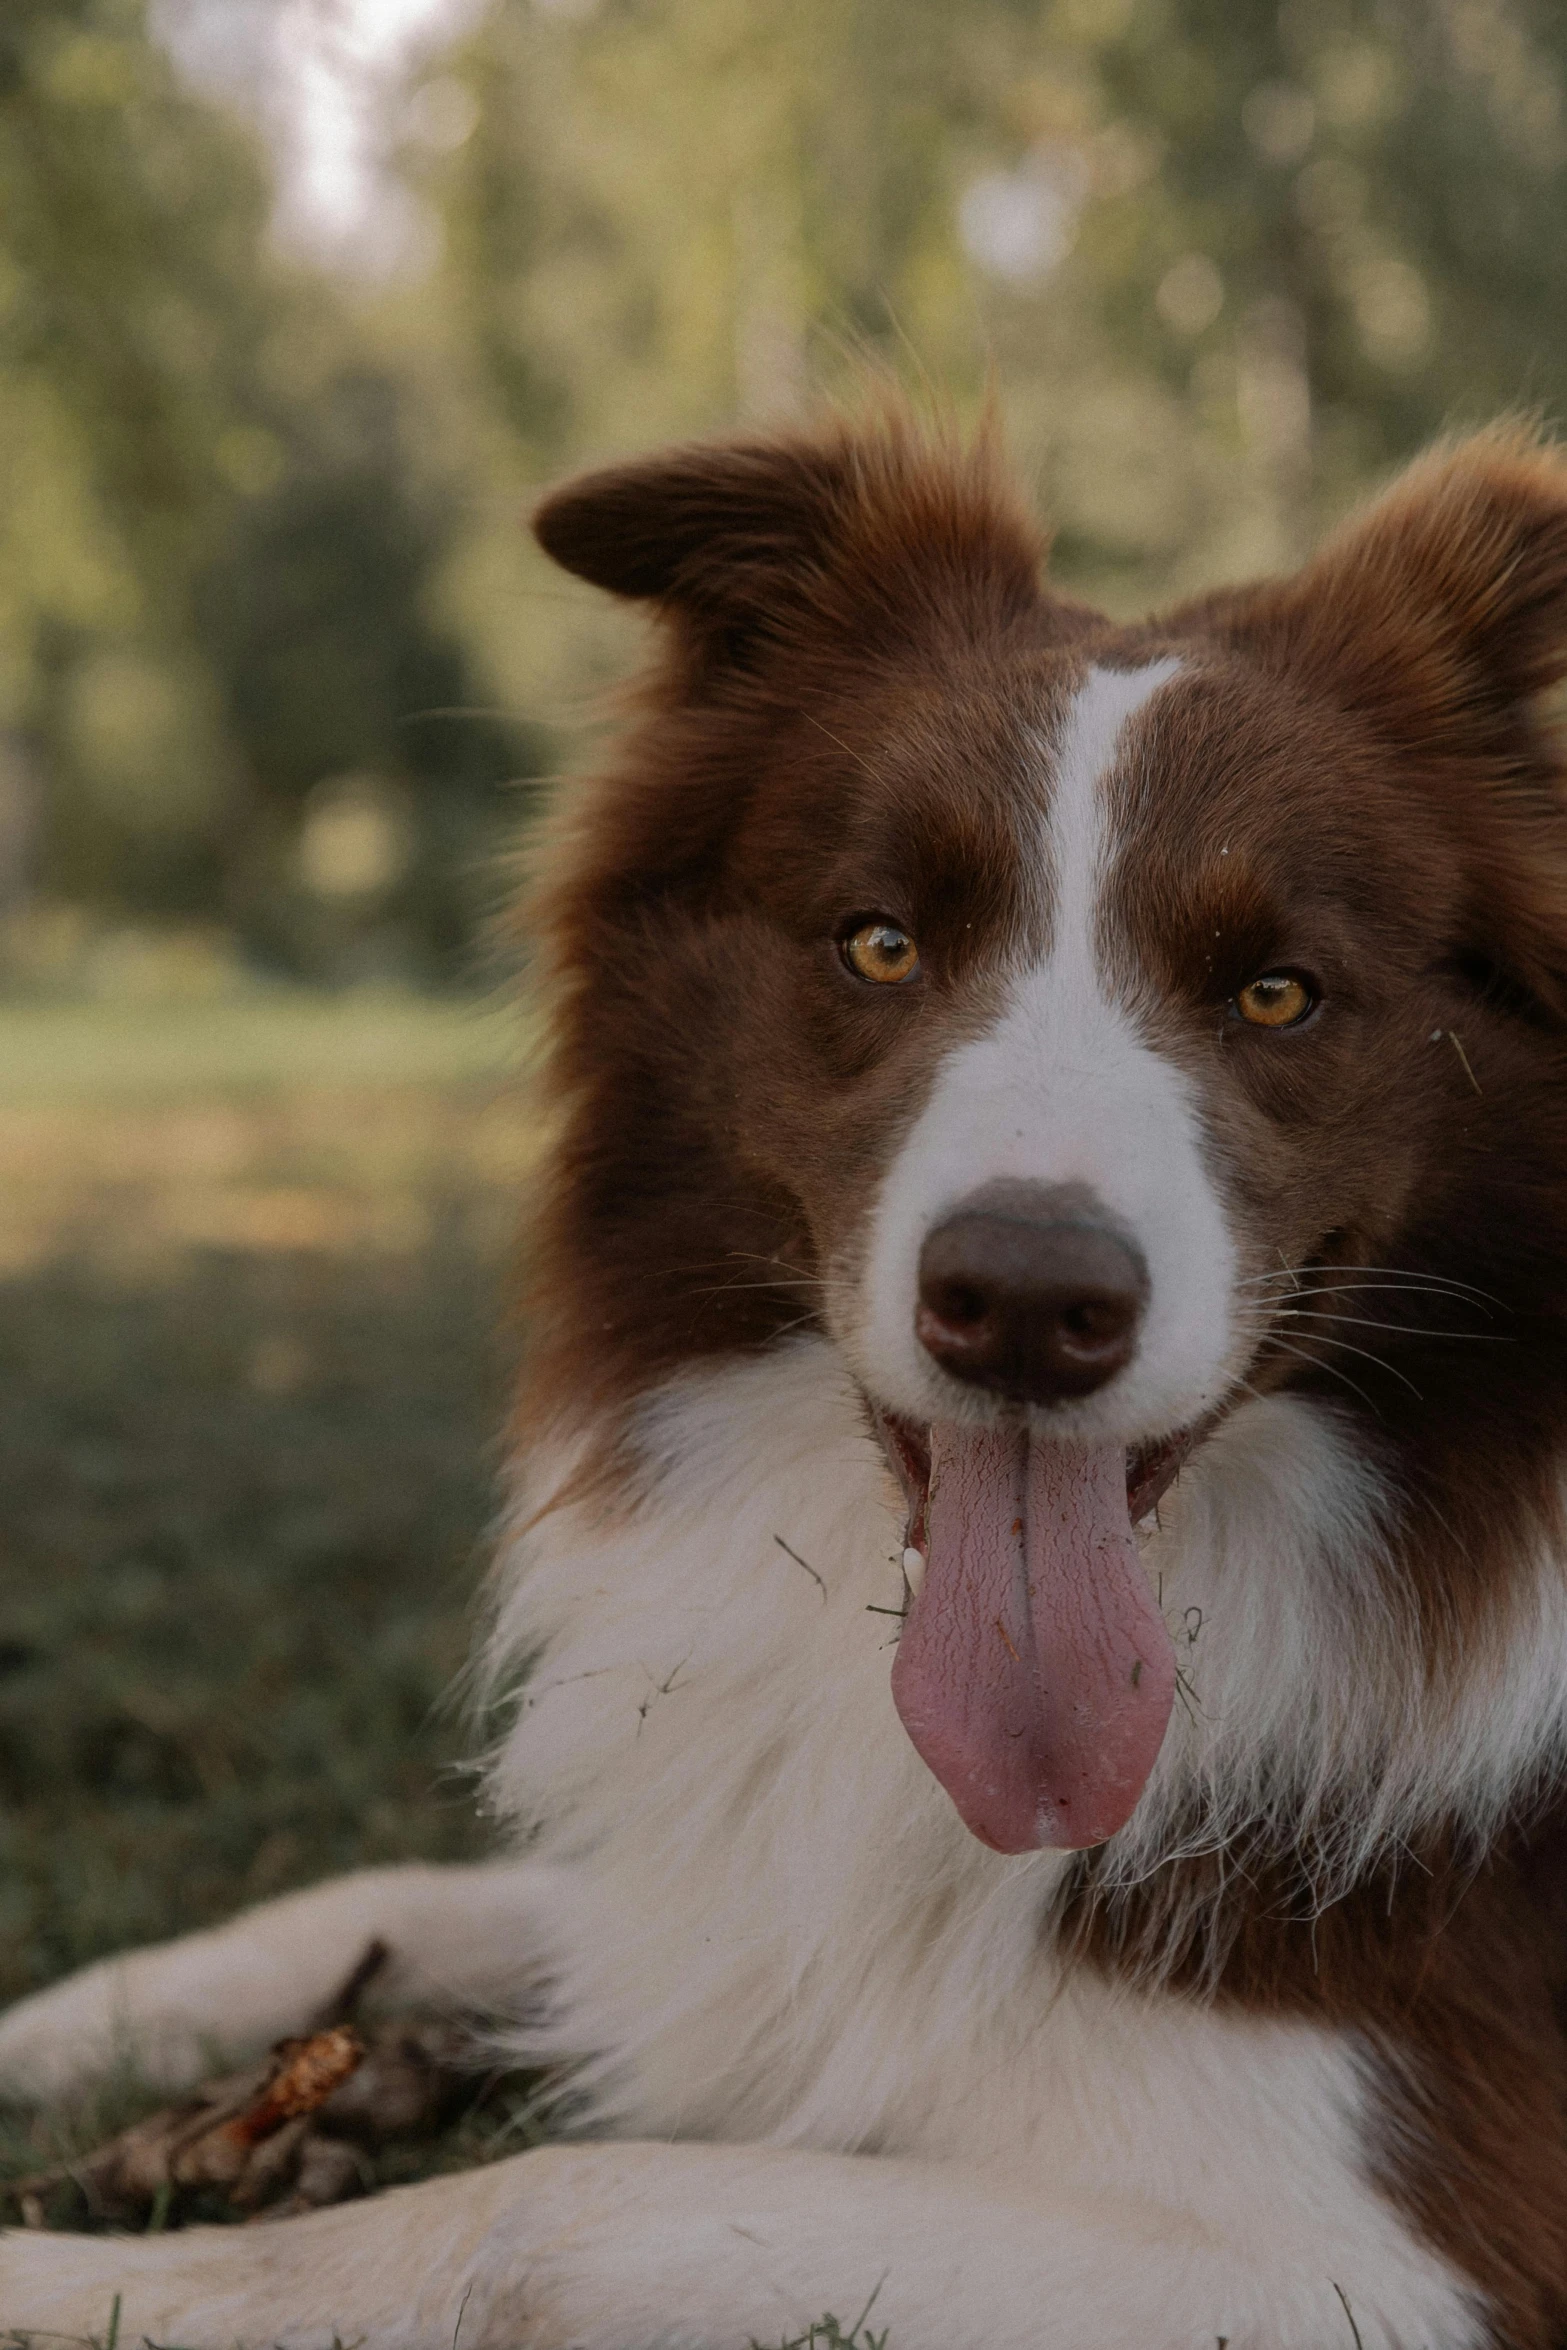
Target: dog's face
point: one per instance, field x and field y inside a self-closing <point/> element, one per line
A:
<point x="1086" y="1028"/>
<point x="1113" y="932"/>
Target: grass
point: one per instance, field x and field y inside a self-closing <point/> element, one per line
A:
<point x="252" y="1279"/>
<point x="279" y="1039"/>
<point x="252" y="1272"/>
<point x="825" y="2333"/>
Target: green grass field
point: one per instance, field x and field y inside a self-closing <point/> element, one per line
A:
<point x="253" y="1351"/>
<point x="253" y="1280"/>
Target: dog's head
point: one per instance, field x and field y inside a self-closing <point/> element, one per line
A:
<point x="1086" y="1027"/>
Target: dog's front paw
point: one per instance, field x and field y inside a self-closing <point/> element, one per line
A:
<point x="397" y="2271"/>
<point x="57" y="2039"/>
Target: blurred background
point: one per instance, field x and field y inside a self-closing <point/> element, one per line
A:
<point x="300" y="301"/>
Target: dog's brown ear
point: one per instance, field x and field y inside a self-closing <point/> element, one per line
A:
<point x="755" y="538"/>
<point x="1439" y="612"/>
<point x="702" y="527"/>
<point x="1437" y="618"/>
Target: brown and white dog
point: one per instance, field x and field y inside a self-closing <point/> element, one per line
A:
<point x="1039" y="1536"/>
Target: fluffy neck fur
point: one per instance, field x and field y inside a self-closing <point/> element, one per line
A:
<point x="774" y="1873"/>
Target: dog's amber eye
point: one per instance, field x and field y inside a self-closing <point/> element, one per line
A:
<point x="1279" y="999"/>
<point x="881" y="951"/>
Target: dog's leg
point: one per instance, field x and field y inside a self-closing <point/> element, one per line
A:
<point x="458" y="1937"/>
<point x="707" y="2247"/>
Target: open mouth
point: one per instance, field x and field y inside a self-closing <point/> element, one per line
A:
<point x="1035" y="1672"/>
<point x="1151" y="1469"/>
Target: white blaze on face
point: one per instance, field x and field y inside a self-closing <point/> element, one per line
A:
<point x="1064" y="1089"/>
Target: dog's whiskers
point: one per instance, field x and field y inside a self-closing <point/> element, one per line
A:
<point x="1304" y="1278"/>
<point x="1334" y="1370"/>
<point x="1320" y="1338"/>
<point x="1306" y="1313"/>
<point x="1387" y="1289"/>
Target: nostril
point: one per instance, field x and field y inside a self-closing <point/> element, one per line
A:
<point x="1099" y="1318"/>
<point x="1035" y="1297"/>
<point x="957" y="1303"/>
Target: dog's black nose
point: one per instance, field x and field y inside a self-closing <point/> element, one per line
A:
<point x="1028" y="1291"/>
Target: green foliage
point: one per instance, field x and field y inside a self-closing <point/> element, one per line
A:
<point x="130" y="217"/>
<point x="132" y="309"/>
<point x="219" y="550"/>
<point x="1223" y="260"/>
<point x="315" y="616"/>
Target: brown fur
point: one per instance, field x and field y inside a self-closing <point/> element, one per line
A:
<point x="855" y="668"/>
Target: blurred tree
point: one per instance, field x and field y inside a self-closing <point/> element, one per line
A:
<point x="130" y="313"/>
<point x="1226" y="257"/>
<point x="130" y="225"/>
<point x="219" y="560"/>
<point x="1352" y="238"/>
<point x="316" y="614"/>
<point x="660" y="202"/>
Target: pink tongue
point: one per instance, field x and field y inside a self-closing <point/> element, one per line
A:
<point x="1035" y="1674"/>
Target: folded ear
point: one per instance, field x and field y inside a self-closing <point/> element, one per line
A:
<point x="1440" y="612"/>
<point x="757" y="539"/>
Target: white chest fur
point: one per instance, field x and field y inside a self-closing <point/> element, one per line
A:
<point x="772" y="1925"/>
